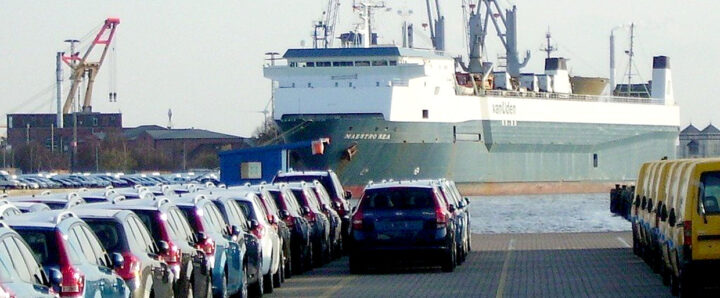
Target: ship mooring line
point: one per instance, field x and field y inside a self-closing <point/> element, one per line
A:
<point x="503" y="274"/>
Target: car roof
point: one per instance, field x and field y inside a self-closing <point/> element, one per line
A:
<point x="403" y="184"/>
<point x="44" y="219"/>
<point x="91" y="213"/>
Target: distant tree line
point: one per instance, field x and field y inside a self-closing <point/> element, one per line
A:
<point x="114" y="153"/>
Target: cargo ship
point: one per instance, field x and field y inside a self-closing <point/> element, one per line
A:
<point x="401" y="112"/>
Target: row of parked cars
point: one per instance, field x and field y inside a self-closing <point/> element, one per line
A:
<point x="676" y="222"/>
<point x="94" y="180"/>
<point x="425" y="221"/>
<point x="196" y="240"/>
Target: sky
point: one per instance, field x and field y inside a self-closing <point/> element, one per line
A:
<point x="204" y="59"/>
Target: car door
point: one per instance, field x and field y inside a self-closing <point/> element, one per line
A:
<point x="234" y="261"/>
<point x="111" y="285"/>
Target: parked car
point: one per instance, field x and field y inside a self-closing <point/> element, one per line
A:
<point x="331" y="182"/>
<point x="61" y="241"/>
<point x="290" y="212"/>
<point x="402" y="220"/>
<point x="693" y="223"/>
<point x="54" y="201"/>
<point x="273" y="214"/>
<point x="21" y="275"/>
<point x="320" y="233"/>
<point x="213" y="237"/>
<point x="240" y="228"/>
<point x="30" y="207"/>
<point x="323" y="200"/>
<point x="7" y="209"/>
<point x="173" y="235"/>
<point x="123" y="234"/>
<point x="267" y="235"/>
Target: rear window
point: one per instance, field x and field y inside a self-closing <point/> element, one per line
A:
<point x="710" y="192"/>
<point x="43" y="244"/>
<point x="55" y="205"/>
<point x="150" y="218"/>
<point x="247" y="210"/>
<point x="109" y="232"/>
<point x="189" y="213"/>
<point x="403" y="198"/>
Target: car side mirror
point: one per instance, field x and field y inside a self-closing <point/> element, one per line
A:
<point x="672" y="220"/>
<point x="467" y="201"/>
<point x="163" y="246"/>
<point x="348" y="195"/>
<point x="663" y="213"/>
<point x="56" y="278"/>
<point x="354" y="208"/>
<point x="118" y="260"/>
<point x="284" y="213"/>
<point x="326" y="207"/>
<point x="235" y="231"/>
<point x="254" y="224"/>
<point x="306" y="209"/>
<point x="451" y="207"/>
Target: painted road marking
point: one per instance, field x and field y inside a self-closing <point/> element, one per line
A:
<point x="624" y="242"/>
<point x="506" y="264"/>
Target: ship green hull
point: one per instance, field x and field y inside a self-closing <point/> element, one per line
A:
<point x="364" y="148"/>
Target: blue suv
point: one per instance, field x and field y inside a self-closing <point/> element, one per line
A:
<point x="400" y="220"/>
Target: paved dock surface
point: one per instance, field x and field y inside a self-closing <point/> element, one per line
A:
<point x="502" y="265"/>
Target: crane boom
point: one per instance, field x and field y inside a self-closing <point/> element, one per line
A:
<point x="81" y="66"/>
<point x="331" y="17"/>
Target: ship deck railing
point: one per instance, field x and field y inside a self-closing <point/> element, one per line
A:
<point x="570" y="97"/>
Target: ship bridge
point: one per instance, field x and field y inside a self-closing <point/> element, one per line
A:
<point x="359" y="81"/>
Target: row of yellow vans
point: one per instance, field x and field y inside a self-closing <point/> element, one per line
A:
<point x="676" y="221"/>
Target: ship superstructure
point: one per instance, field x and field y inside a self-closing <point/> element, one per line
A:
<point x="395" y="112"/>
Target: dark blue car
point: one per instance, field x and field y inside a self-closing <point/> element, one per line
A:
<point x="402" y="221"/>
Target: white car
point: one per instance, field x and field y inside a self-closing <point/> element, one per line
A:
<point x="270" y="241"/>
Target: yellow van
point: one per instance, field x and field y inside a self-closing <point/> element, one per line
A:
<point x="672" y="189"/>
<point x="693" y="235"/>
<point x="635" y="215"/>
<point x="655" y="198"/>
<point x="643" y="213"/>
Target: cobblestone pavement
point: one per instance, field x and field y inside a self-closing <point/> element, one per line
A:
<point x="501" y="265"/>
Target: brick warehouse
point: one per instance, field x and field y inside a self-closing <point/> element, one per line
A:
<point x="179" y="145"/>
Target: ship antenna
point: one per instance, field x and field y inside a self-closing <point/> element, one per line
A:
<point x="549" y="48"/>
<point x="630" y="54"/>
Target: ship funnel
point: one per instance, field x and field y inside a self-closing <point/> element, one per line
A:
<point x="661" y="88"/>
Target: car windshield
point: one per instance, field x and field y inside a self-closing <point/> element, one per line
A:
<point x="398" y="199"/>
<point x="43" y="243"/>
<point x="109" y="232"/>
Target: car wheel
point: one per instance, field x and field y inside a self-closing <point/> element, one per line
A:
<point x="277" y="277"/>
<point x="686" y="286"/>
<point x="636" y="246"/>
<point x="665" y="274"/>
<point x="448" y="264"/>
<point x="258" y="287"/>
<point x="288" y="267"/>
<point x="223" y="286"/>
<point x="357" y="265"/>
<point x="243" y="292"/>
<point x="674" y="285"/>
<point x="267" y="283"/>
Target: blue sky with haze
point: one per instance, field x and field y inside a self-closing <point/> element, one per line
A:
<point x="203" y="59"/>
